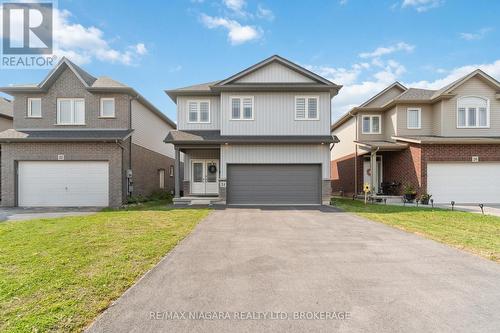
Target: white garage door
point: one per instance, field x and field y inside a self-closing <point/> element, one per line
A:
<point x="464" y="182"/>
<point x="63" y="183"/>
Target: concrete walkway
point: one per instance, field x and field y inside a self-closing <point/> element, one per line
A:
<point x="22" y="214"/>
<point x="286" y="270"/>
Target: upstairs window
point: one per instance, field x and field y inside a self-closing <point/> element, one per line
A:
<point x="70" y="111"/>
<point x="371" y="125"/>
<point x="306" y="108"/>
<point x="34" y="108"/>
<point x="413" y="118"/>
<point x="107" y="107"/>
<point x="199" y="111"/>
<point x="242" y="108"/>
<point x="473" y="112"/>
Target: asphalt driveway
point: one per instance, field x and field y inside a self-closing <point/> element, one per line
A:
<point x="305" y="270"/>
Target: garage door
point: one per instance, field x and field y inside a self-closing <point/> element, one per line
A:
<point x="63" y="183"/>
<point x="464" y="182"/>
<point x="259" y="184"/>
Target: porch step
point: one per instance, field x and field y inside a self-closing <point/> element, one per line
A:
<point x="198" y="201"/>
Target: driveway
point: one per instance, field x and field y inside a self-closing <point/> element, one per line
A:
<point x="21" y="214"/>
<point x="322" y="265"/>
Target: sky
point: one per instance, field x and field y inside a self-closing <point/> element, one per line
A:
<point x="360" y="44"/>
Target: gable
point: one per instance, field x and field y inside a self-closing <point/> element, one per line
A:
<point x="274" y="72"/>
<point x="477" y="86"/>
<point x="384" y="97"/>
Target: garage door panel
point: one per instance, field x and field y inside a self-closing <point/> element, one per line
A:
<point x="274" y="184"/>
<point x="464" y="182"/>
<point x="63" y="183"/>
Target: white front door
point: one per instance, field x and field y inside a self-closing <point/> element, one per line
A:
<point x="205" y="177"/>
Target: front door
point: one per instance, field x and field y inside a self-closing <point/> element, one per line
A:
<point x="205" y="177"/>
<point x="368" y="173"/>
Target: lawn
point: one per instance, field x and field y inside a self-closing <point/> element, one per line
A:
<point x="59" y="274"/>
<point x="472" y="232"/>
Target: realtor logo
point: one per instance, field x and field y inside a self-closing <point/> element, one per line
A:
<point x="27" y="34"/>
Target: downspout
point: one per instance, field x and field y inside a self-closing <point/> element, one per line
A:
<point x="122" y="175"/>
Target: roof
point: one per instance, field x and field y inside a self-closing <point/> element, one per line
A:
<point x="214" y="87"/>
<point x="395" y="84"/>
<point x="461" y="80"/>
<point x="214" y="137"/>
<point x="431" y="139"/>
<point x="12" y="135"/>
<point x="6" y="109"/>
<point x="415" y="94"/>
<point x="381" y="145"/>
<point x="92" y="84"/>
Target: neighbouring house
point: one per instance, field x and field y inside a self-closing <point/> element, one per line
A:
<point x="261" y="136"/>
<point x="5" y="121"/>
<point x="442" y="142"/>
<point x="78" y="140"/>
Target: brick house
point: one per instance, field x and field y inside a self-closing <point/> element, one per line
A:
<point x="78" y="140"/>
<point x="443" y="142"/>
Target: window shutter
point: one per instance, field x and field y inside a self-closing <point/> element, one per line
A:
<point x="235" y="108"/>
<point x="204" y="112"/>
<point x="300" y="108"/>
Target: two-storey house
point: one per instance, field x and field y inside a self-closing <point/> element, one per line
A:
<point x="261" y="136"/>
<point x="78" y="140"/>
<point x="442" y="142"/>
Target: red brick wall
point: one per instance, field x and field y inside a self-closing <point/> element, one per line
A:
<point x="342" y="174"/>
<point x="403" y="167"/>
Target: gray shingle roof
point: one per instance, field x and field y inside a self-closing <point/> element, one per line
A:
<point x="11" y="135"/>
<point x="107" y="82"/>
<point x="416" y="94"/>
<point x="214" y="137"/>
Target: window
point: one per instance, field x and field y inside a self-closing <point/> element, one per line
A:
<point x="306" y="108"/>
<point x="107" y="107"/>
<point x="161" y="173"/>
<point x="199" y="111"/>
<point x="413" y="118"/>
<point x="171" y="171"/>
<point x="473" y="112"/>
<point x="34" y="107"/>
<point x="371" y="125"/>
<point x="71" y="111"/>
<point x="242" y="108"/>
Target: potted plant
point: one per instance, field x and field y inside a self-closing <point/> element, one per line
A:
<point x="424" y="199"/>
<point x="409" y="193"/>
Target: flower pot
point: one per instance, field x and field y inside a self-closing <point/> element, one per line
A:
<point x="410" y="197"/>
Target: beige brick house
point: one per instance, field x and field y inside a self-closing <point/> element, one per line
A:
<point x="78" y="140"/>
<point x="443" y="142"/>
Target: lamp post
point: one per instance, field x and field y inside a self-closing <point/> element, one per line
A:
<point x="452" y="205"/>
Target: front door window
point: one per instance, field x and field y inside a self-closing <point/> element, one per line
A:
<point x="197" y="172"/>
<point x="205" y="176"/>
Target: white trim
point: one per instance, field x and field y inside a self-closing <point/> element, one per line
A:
<point x="29" y="114"/>
<point x="306" y="110"/>
<point x="104" y="99"/>
<point x="371" y="116"/>
<point x="171" y="171"/>
<point x="466" y="107"/>
<point x="72" y="100"/>
<point x="419" y="125"/>
<point x="198" y="101"/>
<point x="161" y="175"/>
<point x="241" y="108"/>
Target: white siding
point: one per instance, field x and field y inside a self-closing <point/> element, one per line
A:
<point x="274" y="114"/>
<point x="182" y="113"/>
<point x="346" y="134"/>
<point x="150" y="130"/>
<point x="275" y="154"/>
<point x="274" y="72"/>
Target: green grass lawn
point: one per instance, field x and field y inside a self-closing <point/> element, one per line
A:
<point x="472" y="232"/>
<point x="59" y="274"/>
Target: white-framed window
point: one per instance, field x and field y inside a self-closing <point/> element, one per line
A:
<point x="473" y="112"/>
<point x="242" y="108"/>
<point x="171" y="171"/>
<point x="161" y="174"/>
<point x="306" y="108"/>
<point x="198" y="111"/>
<point x="371" y="124"/>
<point x="70" y="111"/>
<point x="34" y="108"/>
<point x="414" y="118"/>
<point x="107" y="108"/>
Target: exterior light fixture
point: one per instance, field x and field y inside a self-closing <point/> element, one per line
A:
<point x="452" y="205"/>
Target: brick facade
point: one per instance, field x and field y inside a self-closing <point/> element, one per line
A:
<point x="15" y="152"/>
<point x="342" y="175"/>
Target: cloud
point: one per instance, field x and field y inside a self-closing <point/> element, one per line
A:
<point x="235" y="5"/>
<point x="84" y="44"/>
<point x="475" y="35"/>
<point x="175" y="69"/>
<point x="422" y="5"/>
<point x="380" y="51"/>
<point x="237" y="33"/>
<point x="343" y="2"/>
<point x="265" y="13"/>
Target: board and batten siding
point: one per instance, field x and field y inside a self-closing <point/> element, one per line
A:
<point x="275" y="154"/>
<point x="472" y="87"/>
<point x="274" y="114"/>
<point x="150" y="130"/>
<point x="274" y="72"/>
<point x="182" y="113"/>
